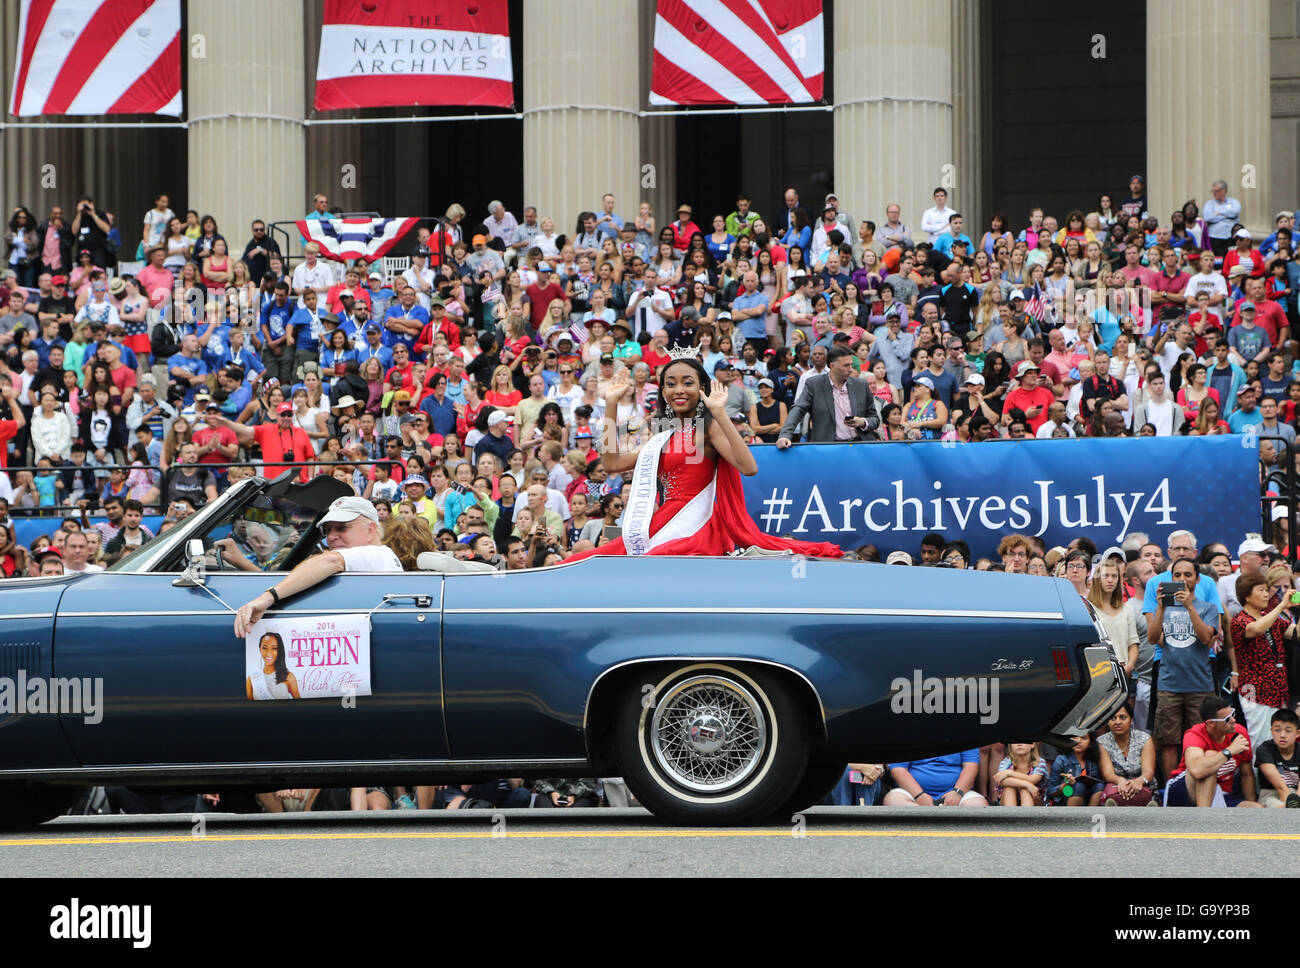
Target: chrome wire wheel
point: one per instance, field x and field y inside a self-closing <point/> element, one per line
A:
<point x="708" y="734"/>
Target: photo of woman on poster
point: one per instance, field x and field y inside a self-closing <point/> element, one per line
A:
<point x="274" y="681"/>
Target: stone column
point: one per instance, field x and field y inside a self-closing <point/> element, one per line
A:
<point x="1198" y="134"/>
<point x="581" y="130"/>
<point x="969" y="114"/>
<point x="893" y="119"/>
<point x="246" y="107"/>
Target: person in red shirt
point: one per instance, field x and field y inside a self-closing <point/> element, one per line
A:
<point x="683" y="228"/>
<point x="1215" y="752"/>
<point x="217" y="444"/>
<point x="655" y="353"/>
<point x="155" y="281"/>
<point x="1029" y="397"/>
<point x="282" y="441"/>
<point x="542" y="293"/>
<point x="401" y="365"/>
<point x="438" y="323"/>
<point x="9" y="428"/>
<point x="1244" y="253"/>
<point x="351" y="284"/>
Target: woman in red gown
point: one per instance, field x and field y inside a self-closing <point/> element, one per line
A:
<point x="697" y="467"/>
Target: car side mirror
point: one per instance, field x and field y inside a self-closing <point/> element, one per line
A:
<point x="195" y="573"/>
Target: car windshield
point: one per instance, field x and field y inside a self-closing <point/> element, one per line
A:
<point x="263" y="534"/>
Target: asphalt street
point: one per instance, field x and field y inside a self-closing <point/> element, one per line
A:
<point x="827" y="841"/>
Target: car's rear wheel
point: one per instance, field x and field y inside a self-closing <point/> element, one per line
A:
<point x="22" y="808"/>
<point x="713" y="744"/>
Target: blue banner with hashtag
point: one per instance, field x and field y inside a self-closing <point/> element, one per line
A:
<point x="892" y="494"/>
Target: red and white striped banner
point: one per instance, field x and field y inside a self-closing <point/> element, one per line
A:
<point x="345" y="239"/>
<point x="386" y="53"/>
<point x="98" y="57"/>
<point x="738" y="52"/>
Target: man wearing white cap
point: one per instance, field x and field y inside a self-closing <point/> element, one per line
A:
<point x="351" y="529"/>
<point x="1253" y="555"/>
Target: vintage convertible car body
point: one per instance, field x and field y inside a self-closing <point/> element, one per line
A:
<point x="725" y="690"/>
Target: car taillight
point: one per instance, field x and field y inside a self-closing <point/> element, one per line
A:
<point x="1061" y="659"/>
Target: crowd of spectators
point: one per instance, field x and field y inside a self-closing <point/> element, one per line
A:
<point x="464" y="391"/>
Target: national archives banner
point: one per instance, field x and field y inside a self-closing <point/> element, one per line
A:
<point x="891" y="495"/>
<point x="382" y="53"/>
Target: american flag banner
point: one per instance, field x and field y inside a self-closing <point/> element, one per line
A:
<point x="345" y="239"/>
<point x="98" y="57"/>
<point x="1036" y="304"/>
<point x="738" y="52"/>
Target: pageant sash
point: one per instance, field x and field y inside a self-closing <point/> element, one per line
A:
<point x="641" y="504"/>
<point x="641" y="497"/>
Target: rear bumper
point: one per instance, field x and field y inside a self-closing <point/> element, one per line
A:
<point x="1106" y="691"/>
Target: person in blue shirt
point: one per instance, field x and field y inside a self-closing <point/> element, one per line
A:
<point x="1182" y="544"/>
<point x="404" y="321"/>
<point x="1247" y="413"/>
<point x="277" y="352"/>
<point x="934" y="780"/>
<point x="439" y="406"/>
<point x="380" y="295"/>
<point x="48" y="339"/>
<point x="373" y="346"/>
<point x="217" y="330"/>
<point x="944" y="242"/>
<point x="335" y="355"/>
<point x="186" y="369"/>
<point x="237" y="392"/>
<point x="305" y="330"/>
<point x="799" y="234"/>
<point x="749" y="310"/>
<point x="239" y="355"/>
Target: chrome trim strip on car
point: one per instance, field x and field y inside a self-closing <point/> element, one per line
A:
<point x="821" y="706"/>
<point x="29" y="615"/>
<point x="221" y="614"/>
<point x="756" y="610"/>
<point x="235" y="770"/>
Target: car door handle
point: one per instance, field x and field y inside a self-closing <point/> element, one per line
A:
<point x="421" y="601"/>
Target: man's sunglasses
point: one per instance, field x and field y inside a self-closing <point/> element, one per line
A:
<point x="1226" y="720"/>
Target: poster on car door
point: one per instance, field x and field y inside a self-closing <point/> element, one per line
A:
<point x="308" y="657"/>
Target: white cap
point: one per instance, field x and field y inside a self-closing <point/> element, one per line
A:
<point x="497" y="417"/>
<point x="1254" y="543"/>
<point x="1244" y="234"/>
<point x="1279" y="512"/>
<point x="898" y="558"/>
<point x="1015" y="294"/>
<point x="347" y="509"/>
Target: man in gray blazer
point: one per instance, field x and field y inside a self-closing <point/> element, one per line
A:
<point x="840" y="407"/>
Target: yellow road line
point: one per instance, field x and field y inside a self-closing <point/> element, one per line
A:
<point x="643" y="834"/>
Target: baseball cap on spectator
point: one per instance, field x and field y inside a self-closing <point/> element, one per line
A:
<point x="543" y="266"/>
<point x="376" y="275"/>
<point x="722" y="365"/>
<point x="924" y="381"/>
<point x="345" y="509"/>
<point x="407" y="419"/>
<point x="285" y="407"/>
<point x="480" y="240"/>
<point x="497" y="417"/>
<point x="1024" y="366"/>
<point x="798" y="274"/>
<point x="117" y="286"/>
<point x="765" y="382"/>
<point x="724" y="315"/>
<point x="47" y="551"/>
<point x="436" y="301"/>
<point x="898" y="558"/>
<point x="565" y="338"/>
<point x="1280" y="511"/>
<point x="690" y="312"/>
<point x="58" y="280"/>
<point x="415" y="479"/>
<point x="975" y="379"/>
<point x="1247" y="306"/>
<point x="202" y="394"/>
<point x="347" y="292"/>
<point x="1244" y="234"/>
<point x="1015" y="294"/>
<point x="583" y="433"/>
<point x="424" y="249"/>
<point x="402" y="395"/>
<point x="1254" y="543"/>
<point x="148" y="378"/>
<point x="606" y="358"/>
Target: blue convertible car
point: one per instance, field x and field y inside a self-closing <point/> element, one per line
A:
<point x="724" y="690"/>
